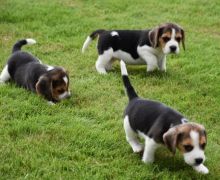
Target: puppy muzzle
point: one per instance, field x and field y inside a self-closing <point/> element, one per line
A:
<point x="65" y="95"/>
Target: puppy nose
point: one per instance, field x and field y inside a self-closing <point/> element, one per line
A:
<point x="198" y="161"/>
<point x="172" y="48"/>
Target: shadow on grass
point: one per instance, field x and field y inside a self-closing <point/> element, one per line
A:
<point x="140" y="71"/>
<point x="165" y="161"/>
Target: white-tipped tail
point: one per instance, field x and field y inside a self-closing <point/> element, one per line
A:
<point x="123" y="68"/>
<point x="86" y="43"/>
<point x="31" y="41"/>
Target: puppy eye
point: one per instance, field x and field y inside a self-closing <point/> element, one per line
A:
<point x="203" y="146"/>
<point x="166" y="39"/>
<point x="178" y="39"/>
<point x="188" y="148"/>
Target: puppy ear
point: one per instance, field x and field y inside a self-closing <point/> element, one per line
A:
<point x="55" y="83"/>
<point x="183" y="38"/>
<point x="153" y="34"/>
<point x="170" y="139"/>
<point x="203" y="133"/>
<point x="44" y="87"/>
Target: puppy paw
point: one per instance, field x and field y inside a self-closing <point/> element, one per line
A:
<point x="2" y="82"/>
<point x="163" y="70"/>
<point x="201" y="169"/>
<point x="151" y="68"/>
<point x="101" y="71"/>
<point x="138" y="148"/>
<point x="148" y="160"/>
<point x="50" y="103"/>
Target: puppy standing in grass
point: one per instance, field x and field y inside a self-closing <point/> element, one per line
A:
<point x="137" y="46"/>
<point x="159" y="124"/>
<point x="28" y="72"/>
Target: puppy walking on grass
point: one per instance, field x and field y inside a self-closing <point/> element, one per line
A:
<point x="137" y="46"/>
<point x="160" y="124"/>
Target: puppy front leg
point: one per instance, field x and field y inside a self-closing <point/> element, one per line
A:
<point x="147" y="55"/>
<point x="201" y="169"/>
<point x="50" y="103"/>
<point x="149" y="150"/>
<point x="162" y="64"/>
<point x="151" y="62"/>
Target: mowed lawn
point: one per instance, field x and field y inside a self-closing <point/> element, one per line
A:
<point x="83" y="137"/>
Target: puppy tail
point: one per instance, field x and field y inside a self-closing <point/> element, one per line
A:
<point x="17" y="46"/>
<point x="91" y="37"/>
<point x="129" y="88"/>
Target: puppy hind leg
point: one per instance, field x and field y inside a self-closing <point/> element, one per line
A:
<point x="131" y="137"/>
<point x="4" y="76"/>
<point x="149" y="150"/>
<point x="103" y="61"/>
<point x="100" y="65"/>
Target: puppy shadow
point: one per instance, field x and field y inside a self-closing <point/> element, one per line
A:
<point x="170" y="162"/>
<point x="165" y="161"/>
<point x="140" y="72"/>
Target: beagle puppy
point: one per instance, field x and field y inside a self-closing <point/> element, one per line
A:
<point x="28" y="72"/>
<point x="160" y="124"/>
<point x="137" y="46"/>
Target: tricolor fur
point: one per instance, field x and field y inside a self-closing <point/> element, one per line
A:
<point x="137" y="46"/>
<point x="28" y="72"/>
<point x="160" y="124"/>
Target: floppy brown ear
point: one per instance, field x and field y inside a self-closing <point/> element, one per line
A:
<point x="170" y="139"/>
<point x="183" y="38"/>
<point x="155" y="33"/>
<point x="44" y="87"/>
<point x="154" y="37"/>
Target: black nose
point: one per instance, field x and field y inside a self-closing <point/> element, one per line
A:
<point x="198" y="161"/>
<point x="172" y="48"/>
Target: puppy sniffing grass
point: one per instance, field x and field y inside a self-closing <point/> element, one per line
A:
<point x="159" y="124"/>
<point x="27" y="71"/>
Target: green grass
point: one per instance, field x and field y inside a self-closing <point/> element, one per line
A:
<point x="83" y="137"/>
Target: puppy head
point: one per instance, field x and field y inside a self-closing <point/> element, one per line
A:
<point x="54" y="85"/>
<point x="190" y="139"/>
<point x="168" y="37"/>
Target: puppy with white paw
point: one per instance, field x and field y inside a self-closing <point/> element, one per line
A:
<point x="159" y="124"/>
<point x="28" y="72"/>
<point x="137" y="46"/>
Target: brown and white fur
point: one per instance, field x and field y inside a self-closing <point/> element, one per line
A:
<point x="137" y="46"/>
<point x="27" y="71"/>
<point x="159" y="124"/>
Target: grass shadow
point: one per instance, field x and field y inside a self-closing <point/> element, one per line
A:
<point x="140" y="71"/>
